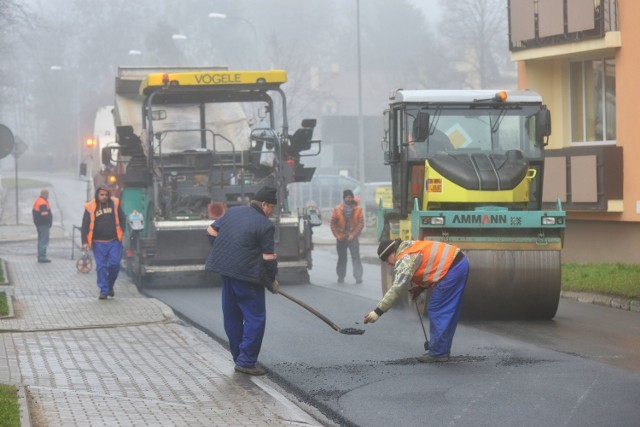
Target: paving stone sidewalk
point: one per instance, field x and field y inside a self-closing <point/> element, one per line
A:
<point x="126" y="361"/>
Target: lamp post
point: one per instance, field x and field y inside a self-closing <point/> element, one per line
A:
<point x="214" y="15"/>
<point x="360" y="121"/>
<point x="74" y="98"/>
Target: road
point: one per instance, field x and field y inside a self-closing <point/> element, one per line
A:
<point x="582" y="368"/>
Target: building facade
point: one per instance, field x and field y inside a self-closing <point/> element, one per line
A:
<point x="582" y="57"/>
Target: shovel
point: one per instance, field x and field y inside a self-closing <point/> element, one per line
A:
<point x="346" y="331"/>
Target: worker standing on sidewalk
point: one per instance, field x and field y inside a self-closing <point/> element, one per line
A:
<point x="43" y="219"/>
<point x="243" y="253"/>
<point x="102" y="230"/>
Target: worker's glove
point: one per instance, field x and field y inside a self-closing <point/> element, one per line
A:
<point x="371" y="317"/>
<point x="275" y="287"/>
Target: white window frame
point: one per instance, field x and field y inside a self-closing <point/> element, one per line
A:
<point x="584" y="107"/>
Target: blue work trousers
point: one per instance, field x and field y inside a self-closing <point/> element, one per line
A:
<point x="43" y="241"/>
<point x="245" y="318"/>
<point x="107" y="256"/>
<point x="444" y="308"/>
<point x="354" y="247"/>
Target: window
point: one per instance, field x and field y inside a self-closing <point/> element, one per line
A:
<point x="593" y="101"/>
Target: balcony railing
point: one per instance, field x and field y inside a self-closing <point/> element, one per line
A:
<point x="537" y="23"/>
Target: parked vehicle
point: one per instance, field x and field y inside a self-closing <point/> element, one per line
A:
<point x="324" y="191"/>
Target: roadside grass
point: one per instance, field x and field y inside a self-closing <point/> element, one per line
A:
<point x="9" y="408"/>
<point x="4" y="304"/>
<point x="24" y="183"/>
<point x="609" y="279"/>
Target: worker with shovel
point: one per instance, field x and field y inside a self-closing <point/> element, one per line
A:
<point x="243" y="254"/>
<point x="426" y="264"/>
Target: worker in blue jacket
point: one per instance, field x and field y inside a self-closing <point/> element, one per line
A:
<point x="243" y="253"/>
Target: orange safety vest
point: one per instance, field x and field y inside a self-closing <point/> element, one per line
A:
<point x="91" y="208"/>
<point x="339" y="223"/>
<point x="437" y="258"/>
<point x="39" y="202"/>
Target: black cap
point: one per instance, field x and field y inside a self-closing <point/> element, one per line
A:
<point x="387" y="247"/>
<point x="267" y="195"/>
<point x="346" y="193"/>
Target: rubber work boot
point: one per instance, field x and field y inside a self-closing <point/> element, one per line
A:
<point x="427" y="358"/>
<point x="250" y="371"/>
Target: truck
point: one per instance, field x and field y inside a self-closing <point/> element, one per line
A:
<point x="467" y="168"/>
<point x="192" y="142"/>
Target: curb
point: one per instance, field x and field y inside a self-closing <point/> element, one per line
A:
<point x="23" y="400"/>
<point x="627" y="304"/>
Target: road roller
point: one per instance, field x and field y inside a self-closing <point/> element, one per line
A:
<point x="467" y="168"/>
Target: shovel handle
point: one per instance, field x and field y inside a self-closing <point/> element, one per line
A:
<point x="311" y="309"/>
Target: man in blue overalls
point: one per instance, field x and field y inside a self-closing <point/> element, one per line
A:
<point x="243" y="253"/>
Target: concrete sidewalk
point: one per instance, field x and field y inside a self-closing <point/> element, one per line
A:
<point x="126" y="361"/>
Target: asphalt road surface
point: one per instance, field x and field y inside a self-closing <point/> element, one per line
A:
<point x="583" y="368"/>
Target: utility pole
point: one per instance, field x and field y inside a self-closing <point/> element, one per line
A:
<point x="360" y="121"/>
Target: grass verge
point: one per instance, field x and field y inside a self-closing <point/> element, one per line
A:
<point x="4" y="304"/>
<point x="608" y="279"/>
<point x="9" y="407"/>
<point x="24" y="183"/>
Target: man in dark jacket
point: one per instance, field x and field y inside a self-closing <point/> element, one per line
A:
<point x="102" y="229"/>
<point x="243" y="254"/>
<point x="43" y="220"/>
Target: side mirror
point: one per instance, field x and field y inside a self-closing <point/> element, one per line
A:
<point x="420" y="129"/>
<point x="543" y="122"/>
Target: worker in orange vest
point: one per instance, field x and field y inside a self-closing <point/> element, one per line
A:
<point x="102" y="230"/>
<point x="347" y="222"/>
<point x="43" y="220"/>
<point x="423" y="264"/>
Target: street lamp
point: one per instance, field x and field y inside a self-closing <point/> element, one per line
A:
<point x="56" y="68"/>
<point x="214" y="15"/>
<point x="360" y="121"/>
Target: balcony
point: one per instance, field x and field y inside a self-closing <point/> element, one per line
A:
<point x="541" y="23"/>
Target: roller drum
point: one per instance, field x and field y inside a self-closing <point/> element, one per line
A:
<point x="512" y="285"/>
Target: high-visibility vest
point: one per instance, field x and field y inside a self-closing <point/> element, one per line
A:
<point x="339" y="224"/>
<point x="91" y="208"/>
<point x="437" y="258"/>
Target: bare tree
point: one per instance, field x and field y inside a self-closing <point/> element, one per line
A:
<point x="477" y="33"/>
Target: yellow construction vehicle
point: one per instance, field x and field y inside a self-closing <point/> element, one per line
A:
<point x="467" y="168"/>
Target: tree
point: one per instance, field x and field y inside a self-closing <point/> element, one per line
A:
<point x="477" y="35"/>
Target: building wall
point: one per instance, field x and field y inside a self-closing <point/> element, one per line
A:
<point x="546" y="70"/>
<point x="628" y="104"/>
